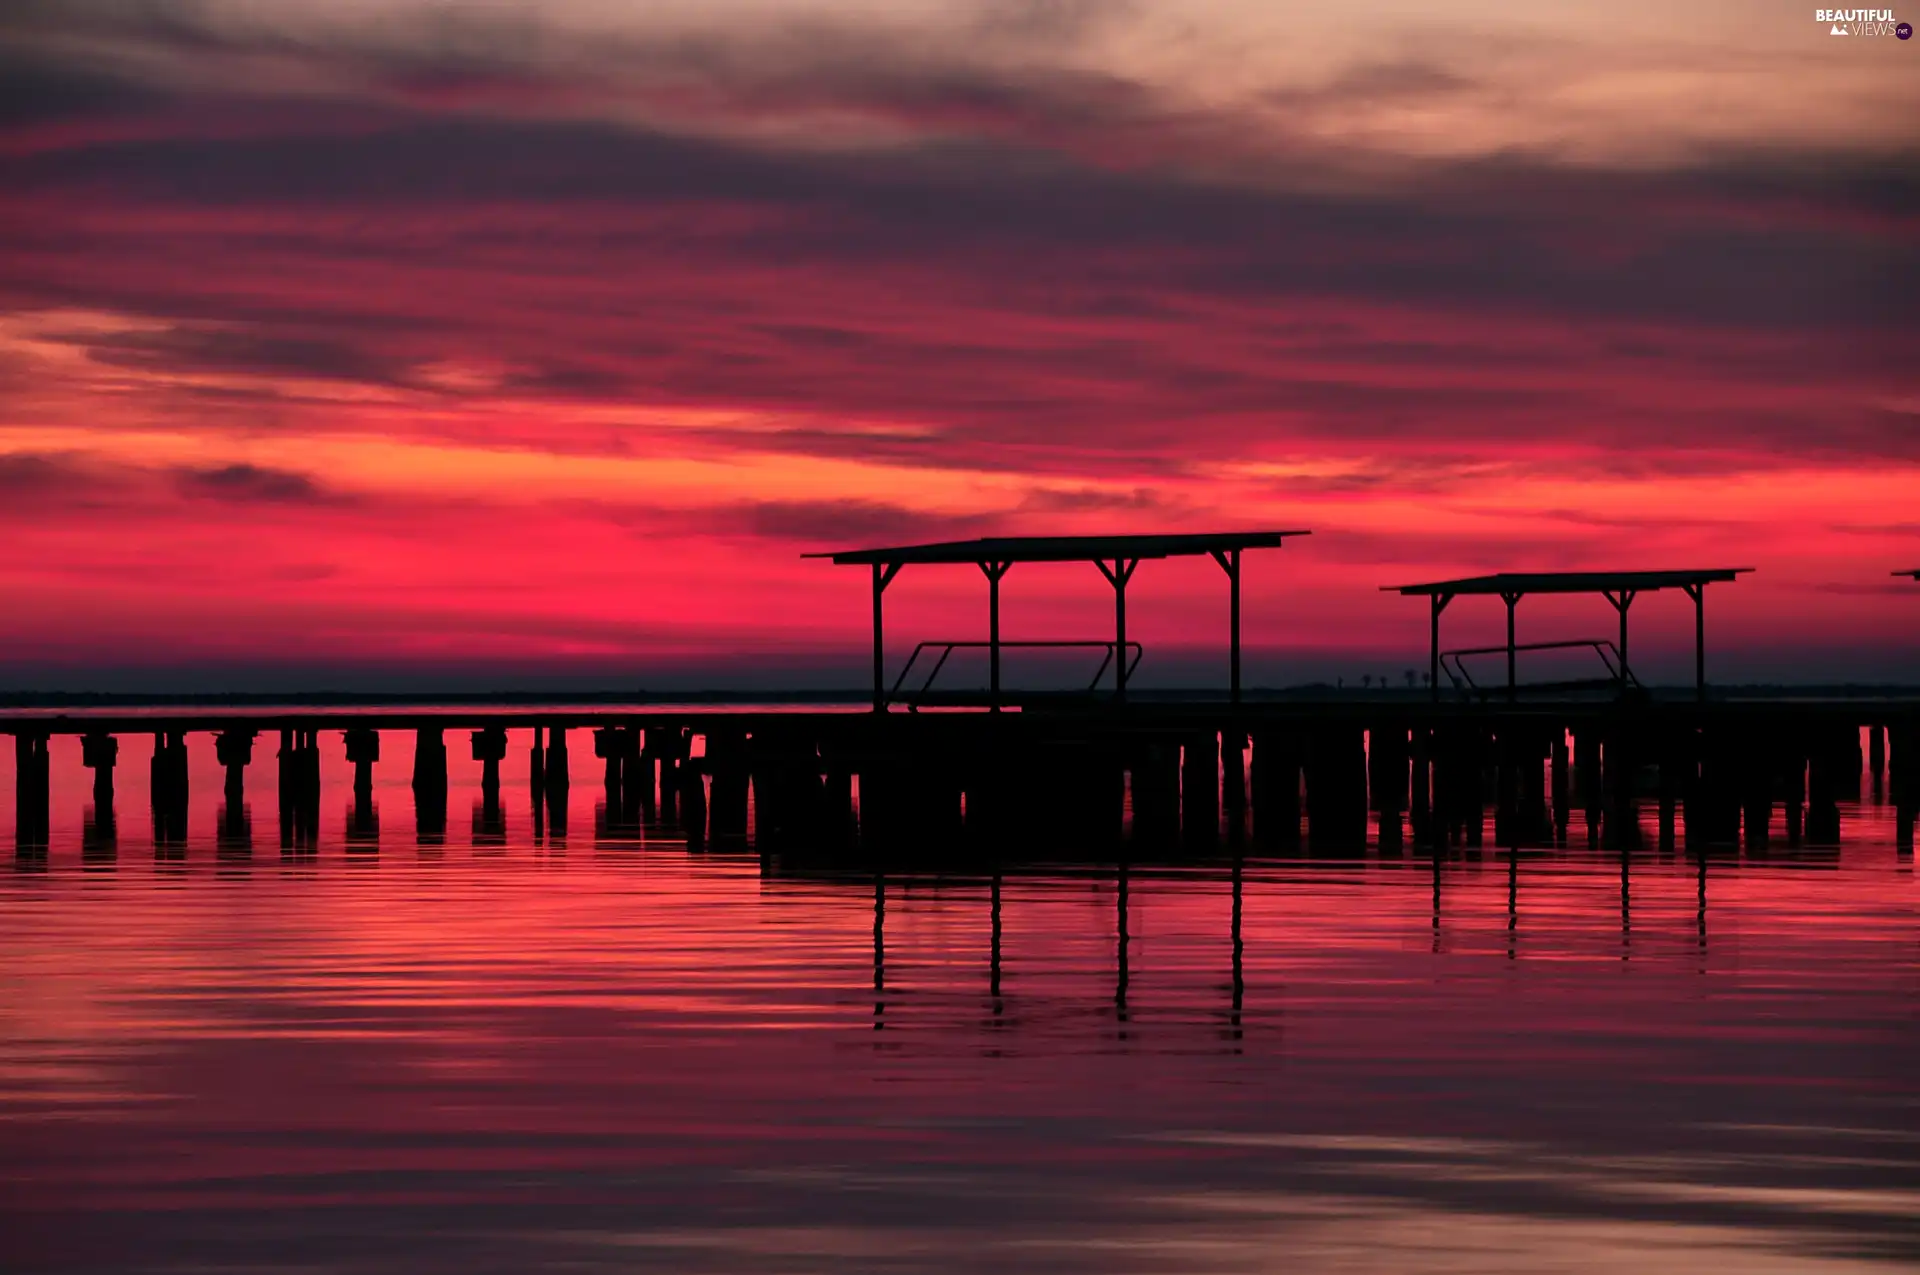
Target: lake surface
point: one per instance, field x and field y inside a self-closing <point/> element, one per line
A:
<point x="507" y="1053"/>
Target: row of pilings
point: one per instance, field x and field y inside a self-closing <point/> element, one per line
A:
<point x="963" y="784"/>
<point x="1330" y="786"/>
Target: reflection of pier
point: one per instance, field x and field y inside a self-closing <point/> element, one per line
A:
<point x="792" y="759"/>
<point x="887" y="994"/>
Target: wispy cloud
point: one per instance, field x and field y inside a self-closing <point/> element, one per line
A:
<point x="471" y="294"/>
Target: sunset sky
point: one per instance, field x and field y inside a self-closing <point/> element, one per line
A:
<point x="406" y="343"/>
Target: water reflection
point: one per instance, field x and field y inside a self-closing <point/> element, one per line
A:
<point x="489" y="821"/>
<point x="1238" y="985"/>
<point x="487" y="1056"/>
<point x="430" y="817"/>
<point x="879" y="951"/>
<point x="100" y="832"/>
<point x="363" y="824"/>
<point x="235" y="838"/>
<point x="997" y="1008"/>
<point x="1121" y="940"/>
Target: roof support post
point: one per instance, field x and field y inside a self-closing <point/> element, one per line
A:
<point x="883" y="575"/>
<point x="1621" y="601"/>
<point x="1117" y="576"/>
<point x="1439" y="601"/>
<point x="993" y="571"/>
<point x="1512" y="600"/>
<point x="1229" y="560"/>
<point x="1698" y="592"/>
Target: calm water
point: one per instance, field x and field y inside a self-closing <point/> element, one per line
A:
<point x="498" y="1054"/>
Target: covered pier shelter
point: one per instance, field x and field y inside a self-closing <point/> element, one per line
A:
<point x="1116" y="556"/>
<point x="1619" y="588"/>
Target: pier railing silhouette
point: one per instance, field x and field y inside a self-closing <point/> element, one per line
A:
<point x="1619" y="677"/>
<point x="924" y="693"/>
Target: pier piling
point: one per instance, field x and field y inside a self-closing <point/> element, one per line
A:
<point x="1559" y="761"/>
<point x="1276" y="788"/>
<point x="363" y="749"/>
<point x="1903" y="780"/>
<point x="489" y="749"/>
<point x="429" y="760"/>
<point x="1336" y="773"/>
<point x="607" y="746"/>
<point x="1387" y="784"/>
<point x="1153" y="780"/>
<point x="430" y="785"/>
<point x="558" y="775"/>
<point x="1876" y="760"/>
<point x="233" y="749"/>
<point x="727" y="759"/>
<point x="558" y="779"/>
<point x="647" y="771"/>
<point x="168" y="775"/>
<point x="32" y="793"/>
<point x="1420" y="785"/>
<point x="1673" y="756"/>
<point x="1200" y="790"/>
<point x="693" y="801"/>
<point x="99" y="752"/>
<point x="1833" y="773"/>
<point x="1233" y="781"/>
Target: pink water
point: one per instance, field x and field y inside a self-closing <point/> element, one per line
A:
<point x="598" y="1054"/>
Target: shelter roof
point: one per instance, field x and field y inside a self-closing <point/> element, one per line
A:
<point x="1571" y="582"/>
<point x="1061" y="548"/>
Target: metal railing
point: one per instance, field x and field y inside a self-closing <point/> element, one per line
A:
<point x="1619" y="677"/>
<point x="913" y="699"/>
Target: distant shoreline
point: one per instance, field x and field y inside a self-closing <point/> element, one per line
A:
<point x="1310" y="691"/>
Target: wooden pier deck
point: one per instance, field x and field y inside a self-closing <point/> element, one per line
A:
<point x="1063" y="777"/>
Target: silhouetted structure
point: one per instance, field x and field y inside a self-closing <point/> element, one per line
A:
<point x="1619" y="588"/>
<point x="234" y="840"/>
<point x="953" y="789"/>
<point x="556" y="781"/>
<point x="880" y="790"/>
<point x="1116" y="556"/>
<point x="299" y="759"/>
<point x="99" y="835"/>
<point x="31" y="795"/>
<point x="169" y="791"/>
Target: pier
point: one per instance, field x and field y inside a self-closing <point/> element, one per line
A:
<point x="1082" y="773"/>
<point x="903" y="788"/>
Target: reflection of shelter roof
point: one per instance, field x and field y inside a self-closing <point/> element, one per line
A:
<point x="1062" y="548"/>
<point x="1915" y="573"/>
<point x="1571" y="582"/>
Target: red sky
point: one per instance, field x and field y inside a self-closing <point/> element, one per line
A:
<point x="356" y="343"/>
